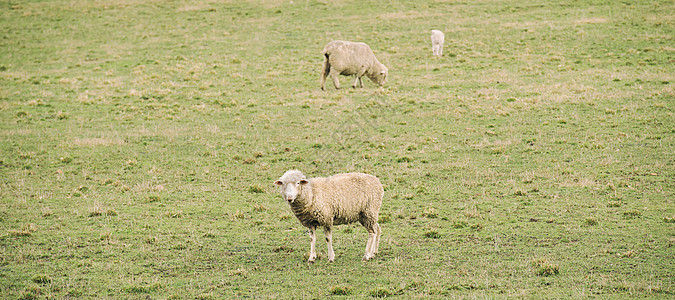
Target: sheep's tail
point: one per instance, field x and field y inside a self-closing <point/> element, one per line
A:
<point x="325" y="71"/>
<point x="326" y="66"/>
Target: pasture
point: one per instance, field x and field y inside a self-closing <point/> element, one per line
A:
<point x="139" y="143"/>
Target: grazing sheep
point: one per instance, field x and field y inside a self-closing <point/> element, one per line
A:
<point x="338" y="199"/>
<point x="350" y="58"/>
<point x="437" y="39"/>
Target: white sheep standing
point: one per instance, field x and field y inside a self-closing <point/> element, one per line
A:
<point x="437" y="40"/>
<point x="351" y="58"/>
<point x="338" y="199"/>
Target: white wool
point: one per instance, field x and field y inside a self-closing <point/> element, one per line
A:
<point x="351" y="58"/>
<point x="334" y="200"/>
<point x="437" y="40"/>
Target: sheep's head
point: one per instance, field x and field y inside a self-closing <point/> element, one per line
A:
<point x="291" y="184"/>
<point x="379" y="74"/>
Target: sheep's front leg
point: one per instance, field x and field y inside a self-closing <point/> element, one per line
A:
<point x="358" y="81"/>
<point x="312" y="247"/>
<point x="329" y="241"/>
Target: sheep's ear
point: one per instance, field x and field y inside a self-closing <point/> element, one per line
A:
<point x="304" y="181"/>
<point x="383" y="72"/>
<point x="278" y="182"/>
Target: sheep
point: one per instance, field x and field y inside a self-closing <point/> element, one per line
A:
<point x="335" y="200"/>
<point x="351" y="58"/>
<point x="437" y="39"/>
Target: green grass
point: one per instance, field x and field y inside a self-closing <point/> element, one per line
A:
<point x="139" y="141"/>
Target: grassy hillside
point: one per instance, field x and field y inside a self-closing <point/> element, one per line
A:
<point x="139" y="141"/>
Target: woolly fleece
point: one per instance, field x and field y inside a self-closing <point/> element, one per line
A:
<point x="338" y="199"/>
<point x="351" y="58"/>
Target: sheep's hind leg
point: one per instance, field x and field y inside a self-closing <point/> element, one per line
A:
<point x="312" y="247"/>
<point x="323" y="81"/>
<point x="329" y="241"/>
<point x="378" y="232"/>
<point x="371" y="243"/>
<point x="334" y="76"/>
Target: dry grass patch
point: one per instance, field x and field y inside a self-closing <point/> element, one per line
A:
<point x="471" y="213"/>
<point x="97" y="209"/>
<point x="148" y="187"/>
<point x="407" y="15"/>
<point x="95" y="142"/>
<point x="545" y="268"/>
<point x="26" y="230"/>
<point x="567" y="182"/>
<point x="585" y="21"/>
<point x="496" y="144"/>
<point x="46" y="211"/>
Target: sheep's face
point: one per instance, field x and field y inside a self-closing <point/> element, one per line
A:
<point x="379" y="76"/>
<point x="290" y="189"/>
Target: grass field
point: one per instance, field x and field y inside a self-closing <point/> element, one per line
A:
<point x="139" y="141"/>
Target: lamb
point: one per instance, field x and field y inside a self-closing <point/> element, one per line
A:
<point x="335" y="200"/>
<point x="350" y="58"/>
<point x="437" y="39"/>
